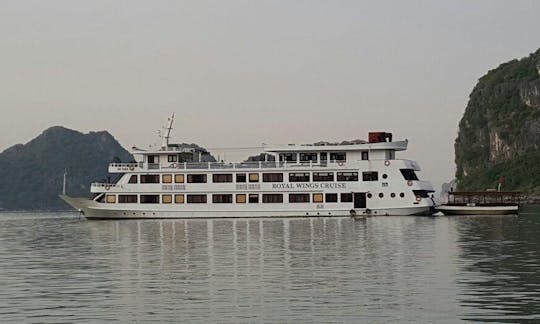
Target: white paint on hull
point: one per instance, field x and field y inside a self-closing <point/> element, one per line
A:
<point x="478" y="210"/>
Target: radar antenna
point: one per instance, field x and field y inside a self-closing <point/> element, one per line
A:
<point x="167" y="132"/>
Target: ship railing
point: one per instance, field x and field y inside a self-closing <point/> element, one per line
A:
<point x="103" y="185"/>
<point x="225" y="165"/>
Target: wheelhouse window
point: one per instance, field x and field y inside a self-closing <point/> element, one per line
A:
<point x="172" y="158"/>
<point x="299" y="177"/>
<point x="178" y="178"/>
<point x="408" y="174"/>
<point x="110" y="199"/>
<point x="331" y="197"/>
<point x="178" y="199"/>
<point x="318" y="198"/>
<point x="253" y="177"/>
<point x="149" y="178"/>
<point x="133" y="179"/>
<point x="323" y="176"/>
<point x="127" y="199"/>
<point x="272" y="177"/>
<point x="272" y="198"/>
<point x="298" y="198"/>
<point x="288" y="157"/>
<point x="306" y="157"/>
<point x="166" y="199"/>
<point x="149" y="199"/>
<point x="346" y="197"/>
<point x="222" y="199"/>
<point x="166" y="178"/>
<point x="240" y="177"/>
<point x="220" y="178"/>
<point x="196" y="178"/>
<point x="240" y="198"/>
<point x="347" y="176"/>
<point x="370" y="176"/>
<point x="196" y="199"/>
<point x="338" y="156"/>
<point x="253" y="198"/>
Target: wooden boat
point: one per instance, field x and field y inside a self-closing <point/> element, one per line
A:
<point x="481" y="203"/>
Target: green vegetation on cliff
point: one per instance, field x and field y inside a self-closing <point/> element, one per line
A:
<point x="499" y="134"/>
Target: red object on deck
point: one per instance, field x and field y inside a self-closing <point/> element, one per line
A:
<point x="378" y="137"/>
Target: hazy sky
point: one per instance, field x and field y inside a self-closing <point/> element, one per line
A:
<point x="240" y="73"/>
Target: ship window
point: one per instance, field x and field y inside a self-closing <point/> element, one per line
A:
<point x="240" y="198"/>
<point x="272" y="177"/>
<point x="347" y="176"/>
<point x="127" y="199"/>
<point x="298" y="198"/>
<point x="166" y="199"/>
<point x="196" y="199"/>
<point x="346" y="197"/>
<point x="289" y="157"/>
<point x="149" y="199"/>
<point x="365" y="155"/>
<point x="172" y="158"/>
<point x="318" y="198"/>
<point x="298" y="177"/>
<point x="253" y="198"/>
<point x="133" y="179"/>
<point x="402" y="195"/>
<point x="178" y="199"/>
<point x="385" y="176"/>
<point x="306" y="157"/>
<point x="421" y="193"/>
<point x="324" y="156"/>
<point x="166" y="178"/>
<point x="273" y="198"/>
<point x="323" y="176"/>
<point x="331" y="197"/>
<point x="393" y="195"/>
<point x="381" y="195"/>
<point x="222" y="199"/>
<point x="370" y="176"/>
<point x="338" y="156"/>
<point x="408" y="174"/>
<point x="196" y="178"/>
<point x="111" y="199"/>
<point x="369" y="195"/>
<point x="178" y="178"/>
<point x="220" y="178"/>
<point x="240" y="177"/>
<point x="149" y="178"/>
<point x="253" y="177"/>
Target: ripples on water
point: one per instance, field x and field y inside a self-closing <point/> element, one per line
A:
<point x="381" y="269"/>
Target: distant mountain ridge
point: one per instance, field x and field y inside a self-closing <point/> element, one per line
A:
<point x="32" y="173"/>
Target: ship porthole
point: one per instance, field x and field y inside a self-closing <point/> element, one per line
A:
<point x="381" y="195"/>
<point x="384" y="176"/>
<point x="369" y="195"/>
<point x="393" y="195"/>
<point x="402" y="195"/>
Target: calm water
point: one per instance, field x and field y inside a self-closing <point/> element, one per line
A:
<point x="58" y="268"/>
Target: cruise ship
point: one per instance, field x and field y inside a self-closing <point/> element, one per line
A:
<point x="352" y="179"/>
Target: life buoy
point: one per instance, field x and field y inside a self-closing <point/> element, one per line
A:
<point x="340" y="163"/>
<point x="107" y="187"/>
<point x="387" y="163"/>
<point x="368" y="211"/>
<point x="409" y="183"/>
<point x="131" y="168"/>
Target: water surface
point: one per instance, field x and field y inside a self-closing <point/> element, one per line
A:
<point x="61" y="268"/>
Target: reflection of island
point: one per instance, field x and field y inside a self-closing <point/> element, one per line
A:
<point x="499" y="256"/>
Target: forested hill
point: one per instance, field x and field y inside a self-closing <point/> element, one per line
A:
<point x="32" y="173"/>
<point x="499" y="134"/>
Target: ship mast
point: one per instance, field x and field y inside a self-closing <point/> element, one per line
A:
<point x="167" y="133"/>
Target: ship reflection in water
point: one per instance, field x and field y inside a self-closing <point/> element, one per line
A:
<point x="379" y="269"/>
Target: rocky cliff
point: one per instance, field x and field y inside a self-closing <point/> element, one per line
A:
<point x="499" y="134"/>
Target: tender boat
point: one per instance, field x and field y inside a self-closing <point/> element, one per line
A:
<point x="481" y="203"/>
<point x="355" y="178"/>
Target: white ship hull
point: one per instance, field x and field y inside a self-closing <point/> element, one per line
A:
<point x="93" y="210"/>
<point x="478" y="210"/>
